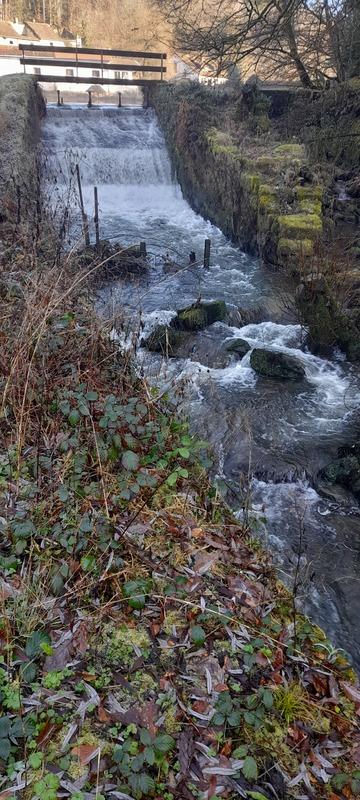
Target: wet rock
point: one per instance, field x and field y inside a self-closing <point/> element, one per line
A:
<point x="199" y="316"/>
<point x="271" y="364"/>
<point x="165" y="339"/>
<point x="353" y="188"/>
<point x="345" y="470"/>
<point x="238" y="346"/>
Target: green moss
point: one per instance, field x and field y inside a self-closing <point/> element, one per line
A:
<point x="199" y="316"/>
<point x="300" y="226"/>
<point x="120" y="646"/>
<point x="221" y="142"/>
<point x="251" y="182"/>
<point x="296" y="247"/>
<point x="290" y="150"/>
<point x="309" y="193"/>
<point x="310" y="207"/>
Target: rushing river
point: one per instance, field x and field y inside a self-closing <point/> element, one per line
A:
<point x="287" y="431"/>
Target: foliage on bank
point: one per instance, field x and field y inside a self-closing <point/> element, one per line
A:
<point x="146" y="646"/>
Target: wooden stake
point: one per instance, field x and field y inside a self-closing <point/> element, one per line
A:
<point x="119" y="103"/>
<point x="207" y="248"/>
<point x="96" y="217"/>
<point x="58" y="94"/>
<point x="90" y="100"/>
<point x="84" y="217"/>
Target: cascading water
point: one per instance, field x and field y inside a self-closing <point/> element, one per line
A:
<point x="295" y="429"/>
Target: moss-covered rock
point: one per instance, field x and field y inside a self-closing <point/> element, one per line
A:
<point x="165" y="339"/>
<point x="300" y="226"/>
<point x="345" y="470"/>
<point x="238" y="346"/>
<point x="295" y="247"/>
<point x="309" y="192"/>
<point x="273" y="364"/>
<point x="290" y="150"/>
<point x="199" y="316"/>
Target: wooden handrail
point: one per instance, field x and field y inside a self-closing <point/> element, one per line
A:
<point x="101" y="65"/>
<point x="98" y="51"/>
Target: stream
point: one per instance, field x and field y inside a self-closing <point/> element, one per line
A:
<point x="288" y="431"/>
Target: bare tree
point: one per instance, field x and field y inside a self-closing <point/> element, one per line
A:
<point x="289" y="38"/>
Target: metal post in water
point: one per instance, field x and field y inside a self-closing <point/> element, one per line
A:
<point x="143" y="249"/>
<point x="84" y="217"/>
<point x="146" y="97"/>
<point x="58" y="94"/>
<point x="119" y="103"/>
<point x="207" y="248"/>
<point x="90" y="100"/>
<point x="96" y="216"/>
<point x="62" y="100"/>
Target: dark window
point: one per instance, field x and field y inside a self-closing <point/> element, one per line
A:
<point x="37" y="71"/>
<point x="96" y="73"/>
<point x="117" y="75"/>
<point x="69" y="73"/>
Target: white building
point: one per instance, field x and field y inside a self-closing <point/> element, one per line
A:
<point x="191" y="70"/>
<point x="13" y="34"/>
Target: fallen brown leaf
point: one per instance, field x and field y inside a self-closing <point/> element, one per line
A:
<point x="85" y="752"/>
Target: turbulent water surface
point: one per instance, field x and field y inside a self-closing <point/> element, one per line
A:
<point x="288" y="431"/>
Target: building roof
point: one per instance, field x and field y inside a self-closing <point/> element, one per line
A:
<point x="7" y="30"/>
<point x="43" y="31"/>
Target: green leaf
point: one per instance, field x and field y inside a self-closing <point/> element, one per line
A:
<point x="4" y="749"/>
<point x="33" y="645"/>
<point x="257" y="796"/>
<point x="340" y="780"/>
<point x="184" y="452"/>
<point x="249" y="769"/>
<point x="218" y="719"/>
<point x="130" y="460"/>
<point x="234" y="719"/>
<point x="23" y="530"/>
<point x="149" y="754"/>
<point x="74" y="417"/>
<point x="135" y="591"/>
<point x="145" y="737"/>
<point x="163" y="743"/>
<point x="4" y="726"/>
<point x="240" y="752"/>
<point x="91" y="396"/>
<point x="197" y="634"/>
<point x="35" y="760"/>
<point x="267" y="698"/>
<point x="141" y="784"/>
<point x="252" y="701"/>
<point x="63" y="493"/>
<point x="250" y="718"/>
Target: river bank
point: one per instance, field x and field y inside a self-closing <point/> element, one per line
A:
<point x="148" y="647"/>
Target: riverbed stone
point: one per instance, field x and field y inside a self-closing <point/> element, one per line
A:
<point x="238" y="346"/>
<point x="273" y="364"/>
<point x="345" y="470"/>
<point x="164" y="339"/>
<point x="199" y="316"/>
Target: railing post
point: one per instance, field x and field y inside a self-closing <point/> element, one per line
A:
<point x="162" y="65"/>
<point x="58" y="94"/>
<point x="90" y="100"/>
<point x="84" y="217"/>
<point x="146" y="97"/>
<point x="207" y="247"/>
<point x="96" y="216"/>
<point x="119" y="103"/>
<point x="102" y="64"/>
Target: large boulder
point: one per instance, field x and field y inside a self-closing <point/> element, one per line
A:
<point x="345" y="470"/>
<point x="238" y="346"/>
<point x="164" y="339"/>
<point x="272" y="364"/>
<point x="199" y="316"/>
